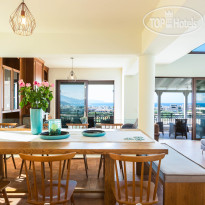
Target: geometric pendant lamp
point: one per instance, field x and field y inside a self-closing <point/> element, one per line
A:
<point x="22" y="21"/>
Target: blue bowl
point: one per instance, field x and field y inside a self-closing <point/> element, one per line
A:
<point x="93" y="133"/>
<point x="46" y="136"/>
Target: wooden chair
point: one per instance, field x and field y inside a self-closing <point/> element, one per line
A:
<point x="3" y="185"/>
<point x="102" y="159"/>
<point x="112" y="126"/>
<point x="45" y="126"/>
<point x="6" y="156"/>
<point x="79" y="126"/>
<point x="134" y="192"/>
<point x="48" y="189"/>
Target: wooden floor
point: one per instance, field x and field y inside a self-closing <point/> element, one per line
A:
<point x="77" y="173"/>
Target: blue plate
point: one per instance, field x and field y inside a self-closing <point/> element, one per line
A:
<point x="93" y="133"/>
<point x="46" y="136"/>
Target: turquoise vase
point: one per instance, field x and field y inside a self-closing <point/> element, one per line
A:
<point x="36" y="121"/>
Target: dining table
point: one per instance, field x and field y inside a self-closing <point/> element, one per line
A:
<point x="119" y="141"/>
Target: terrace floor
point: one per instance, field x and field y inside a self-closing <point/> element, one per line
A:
<point x="166" y="136"/>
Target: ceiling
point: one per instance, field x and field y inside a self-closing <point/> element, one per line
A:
<point x="98" y="33"/>
<point x="173" y="84"/>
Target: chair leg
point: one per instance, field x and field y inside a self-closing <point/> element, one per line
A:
<point x="12" y="156"/>
<point x="20" y="172"/>
<point x="85" y="157"/>
<point x="86" y="165"/>
<point x="5" y="197"/>
<point x="5" y="166"/>
<point x="100" y="165"/>
<point x="72" y="200"/>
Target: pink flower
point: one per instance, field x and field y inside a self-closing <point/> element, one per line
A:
<point x="39" y="84"/>
<point x="52" y="85"/>
<point x="35" y="82"/>
<point x="28" y="84"/>
<point x="20" y="81"/>
<point x="46" y="84"/>
<point x="22" y="84"/>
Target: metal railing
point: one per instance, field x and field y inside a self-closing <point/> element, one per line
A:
<point x="168" y="118"/>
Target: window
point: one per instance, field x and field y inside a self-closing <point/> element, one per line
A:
<point x="94" y="100"/>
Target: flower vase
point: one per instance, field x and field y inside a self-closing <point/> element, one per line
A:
<point x="36" y="116"/>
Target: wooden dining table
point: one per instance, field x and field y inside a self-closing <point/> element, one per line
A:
<point x="17" y="146"/>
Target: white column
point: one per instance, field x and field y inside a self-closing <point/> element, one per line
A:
<point x="159" y="94"/>
<point x="146" y="94"/>
<point x="186" y="93"/>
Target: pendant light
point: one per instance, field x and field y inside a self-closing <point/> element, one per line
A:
<point x="22" y="21"/>
<point x="72" y="75"/>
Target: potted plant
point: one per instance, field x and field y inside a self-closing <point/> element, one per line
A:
<point x="38" y="96"/>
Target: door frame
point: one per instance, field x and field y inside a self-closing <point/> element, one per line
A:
<point x="194" y="106"/>
<point x="86" y="83"/>
<point x="58" y="82"/>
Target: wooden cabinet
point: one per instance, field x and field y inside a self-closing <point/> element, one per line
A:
<point x="38" y="70"/>
<point x="45" y="73"/>
<point x="11" y="70"/>
<point x="9" y="73"/>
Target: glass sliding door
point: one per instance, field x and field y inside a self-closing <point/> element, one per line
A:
<point x="199" y="108"/>
<point x="101" y="102"/>
<point x="72" y="102"/>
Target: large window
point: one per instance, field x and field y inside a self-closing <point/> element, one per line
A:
<point x="94" y="100"/>
<point x="101" y="102"/>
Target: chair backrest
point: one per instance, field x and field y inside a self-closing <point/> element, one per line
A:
<point x="77" y="126"/>
<point x="161" y="127"/>
<point x="45" y="125"/>
<point x="112" y="126"/>
<point x="181" y="125"/>
<point x="8" y="125"/>
<point x="47" y="189"/>
<point x="136" y="195"/>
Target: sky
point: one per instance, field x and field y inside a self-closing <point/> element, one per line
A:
<point x="95" y="92"/>
<point x="101" y="93"/>
<point x="73" y="90"/>
<point x="200" y="48"/>
<point x="169" y="97"/>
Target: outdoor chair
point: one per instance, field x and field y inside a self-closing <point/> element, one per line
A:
<point x="6" y="156"/>
<point x="161" y="127"/>
<point x="181" y="128"/>
<point x="136" y="192"/>
<point x="49" y="189"/>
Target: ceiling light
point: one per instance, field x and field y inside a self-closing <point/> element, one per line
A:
<point x="22" y="21"/>
<point x="72" y="75"/>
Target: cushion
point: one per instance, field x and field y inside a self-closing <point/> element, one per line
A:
<point x="135" y="125"/>
<point x="177" y="168"/>
<point x="203" y="141"/>
<point x="202" y="146"/>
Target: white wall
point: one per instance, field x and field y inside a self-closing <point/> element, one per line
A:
<point x="191" y="65"/>
<point x="91" y="74"/>
<point x="130" y="98"/>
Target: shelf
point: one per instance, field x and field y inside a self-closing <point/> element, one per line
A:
<point x="10" y="111"/>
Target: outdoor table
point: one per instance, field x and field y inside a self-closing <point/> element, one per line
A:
<point x="115" y="141"/>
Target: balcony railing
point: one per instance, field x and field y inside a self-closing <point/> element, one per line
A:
<point x="167" y="118"/>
